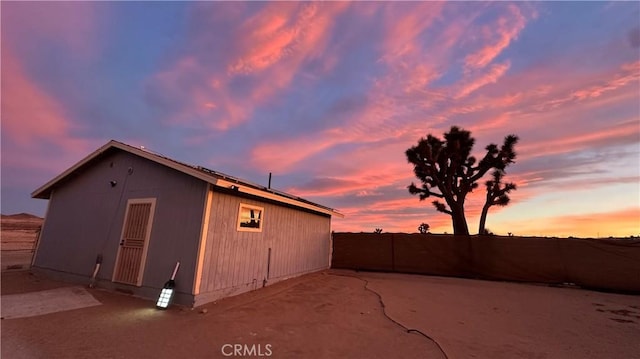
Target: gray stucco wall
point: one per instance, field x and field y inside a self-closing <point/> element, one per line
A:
<point x="86" y="215"/>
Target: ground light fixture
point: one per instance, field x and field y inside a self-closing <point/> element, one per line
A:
<point x="167" y="291"/>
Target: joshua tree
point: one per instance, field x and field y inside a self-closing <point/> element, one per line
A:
<point x="423" y="228"/>
<point x="377" y="231"/>
<point x="449" y="172"/>
<point x="497" y="195"/>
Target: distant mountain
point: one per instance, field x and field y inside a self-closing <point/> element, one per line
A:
<point x="23" y="216"/>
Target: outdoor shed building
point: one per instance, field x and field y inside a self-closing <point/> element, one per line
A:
<point x="142" y="212"/>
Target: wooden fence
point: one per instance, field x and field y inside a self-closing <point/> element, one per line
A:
<point x="601" y="264"/>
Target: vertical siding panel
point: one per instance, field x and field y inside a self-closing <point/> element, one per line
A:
<point x="299" y="259"/>
<point x="304" y="248"/>
<point x="234" y="259"/>
<point x="243" y="260"/>
<point x="313" y="247"/>
<point x="224" y="255"/>
<point x="292" y="246"/>
<point x="252" y="270"/>
<point x="222" y="245"/>
<point x="285" y="248"/>
<point x="279" y="250"/>
<point x="235" y="239"/>
<point x="248" y="261"/>
<point x="220" y="252"/>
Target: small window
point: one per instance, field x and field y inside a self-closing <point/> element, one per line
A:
<point x="250" y="218"/>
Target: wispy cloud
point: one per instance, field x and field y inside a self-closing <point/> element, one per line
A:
<point x="264" y="54"/>
<point x="492" y="76"/>
<point x="497" y="37"/>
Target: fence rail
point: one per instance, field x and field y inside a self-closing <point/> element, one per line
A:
<point x="19" y="243"/>
<point x="590" y="263"/>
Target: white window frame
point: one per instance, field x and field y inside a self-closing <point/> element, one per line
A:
<point x="250" y="207"/>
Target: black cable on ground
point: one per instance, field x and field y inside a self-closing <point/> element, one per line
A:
<point x="384" y="312"/>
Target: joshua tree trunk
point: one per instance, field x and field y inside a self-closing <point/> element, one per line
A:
<point x="460" y="226"/>
<point x="483" y="218"/>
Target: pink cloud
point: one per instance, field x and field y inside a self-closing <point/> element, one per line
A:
<point x="363" y="178"/>
<point x="33" y="121"/>
<point x="284" y="33"/>
<point x="629" y="73"/>
<point x="366" y="126"/>
<point x="502" y="34"/>
<point x="498" y="110"/>
<point x="404" y="27"/>
<point x="266" y="38"/>
<point x="291" y="47"/>
<point x="403" y="92"/>
<point x="30" y="115"/>
<point x="266" y="50"/>
<point x="490" y="77"/>
<point x="279" y="155"/>
<point x="561" y="89"/>
<point x="580" y="141"/>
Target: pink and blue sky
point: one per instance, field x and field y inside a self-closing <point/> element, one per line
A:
<point x="328" y="96"/>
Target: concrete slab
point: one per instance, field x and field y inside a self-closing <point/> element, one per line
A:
<point x="44" y="302"/>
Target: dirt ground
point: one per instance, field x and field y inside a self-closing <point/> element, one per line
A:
<point x="484" y="319"/>
<point x="315" y="316"/>
<point x="338" y="314"/>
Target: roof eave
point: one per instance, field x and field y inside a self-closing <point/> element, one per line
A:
<point x="44" y="192"/>
<point x="275" y="197"/>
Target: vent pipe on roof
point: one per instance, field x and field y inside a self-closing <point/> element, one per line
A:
<point x="269" y="185"/>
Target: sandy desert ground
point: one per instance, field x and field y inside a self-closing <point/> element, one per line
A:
<point x="338" y="314"/>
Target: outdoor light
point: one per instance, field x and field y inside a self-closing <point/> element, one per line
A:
<point x="167" y="292"/>
<point x="164" y="298"/>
